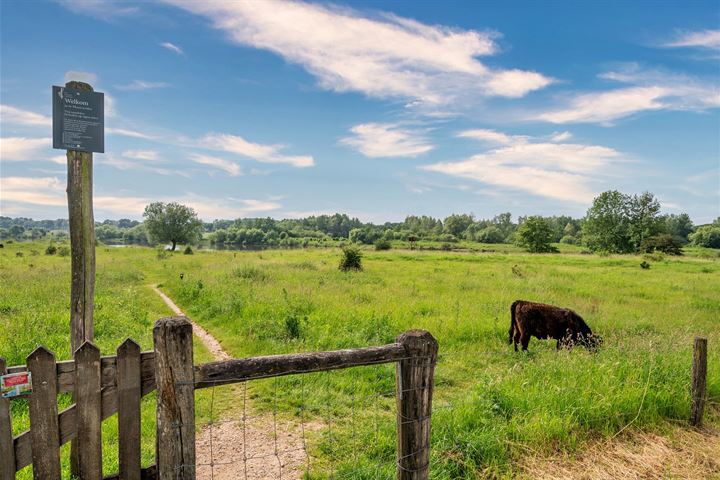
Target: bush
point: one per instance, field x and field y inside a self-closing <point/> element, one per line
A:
<point x="63" y="250"/>
<point x="644" y="265"/>
<point x="51" y="250"/>
<point x="383" y="244"/>
<point x="490" y="234"/>
<point x="664" y="243"/>
<point x="351" y="259"/>
<point x="447" y="237"/>
<point x="706" y="236"/>
<point x="188" y="250"/>
<point x="569" y="240"/>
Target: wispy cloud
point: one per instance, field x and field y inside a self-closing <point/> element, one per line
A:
<point x="23" y="148"/>
<point x="172" y="47"/>
<point x="17" y="116"/>
<point x="256" y="151"/>
<point x="699" y="39"/>
<point x="102" y="9"/>
<point x="560" y="136"/>
<point x="137" y="85"/>
<point x="387" y="140"/>
<point x="491" y="136"/>
<point x="384" y="56"/>
<point x="149" y="155"/>
<point x="650" y="90"/>
<point x="228" y="166"/>
<point x="563" y="171"/>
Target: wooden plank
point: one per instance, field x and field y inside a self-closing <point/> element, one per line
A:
<point x="88" y="407"/>
<point x="66" y="371"/>
<point x="7" y="452"/>
<point x="238" y="370"/>
<point x="44" y="430"/>
<point x="67" y="419"/>
<point x="415" y="382"/>
<point x="699" y="379"/>
<point x="175" y="411"/>
<point x="128" y="394"/>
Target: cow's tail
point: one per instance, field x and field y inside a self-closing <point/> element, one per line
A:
<point x="511" y="333"/>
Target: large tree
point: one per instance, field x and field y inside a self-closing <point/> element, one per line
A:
<point x="535" y="234"/>
<point x="172" y="222"/>
<point x="607" y="223"/>
<point x="644" y="218"/>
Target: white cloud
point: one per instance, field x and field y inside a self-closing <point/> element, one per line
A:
<point x="563" y="171"/>
<point x="387" y="140"/>
<point x="649" y="90"/>
<point x="172" y="47"/>
<point x="22" y="148"/>
<point x="702" y="39"/>
<point x="561" y="136"/>
<point x="102" y="9"/>
<point x="256" y="151"/>
<point x="17" y="116"/>
<point x="228" y="166"/>
<point x="381" y="56"/>
<point x="149" y="155"/>
<point x="34" y="190"/>
<point x="128" y="133"/>
<point x="136" y="85"/>
<point x="492" y="136"/>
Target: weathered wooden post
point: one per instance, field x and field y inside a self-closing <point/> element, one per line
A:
<point x="175" y="413"/>
<point x="699" y="375"/>
<point x="414" y="384"/>
<point x="7" y="453"/>
<point x="89" y="412"/>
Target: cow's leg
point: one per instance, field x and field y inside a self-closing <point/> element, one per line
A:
<point x="557" y="347"/>
<point x="525" y="340"/>
<point x="516" y="339"/>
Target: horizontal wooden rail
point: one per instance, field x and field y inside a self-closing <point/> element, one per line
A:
<point x="238" y="370"/>
<point x="67" y="419"/>
<point x="108" y="371"/>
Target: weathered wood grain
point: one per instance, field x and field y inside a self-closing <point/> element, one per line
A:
<point x="129" y="394"/>
<point x="44" y="430"/>
<point x="237" y="370"/>
<point x="175" y="411"/>
<point x="699" y="379"/>
<point x="88" y="401"/>
<point x="414" y="385"/>
<point x="7" y="452"/>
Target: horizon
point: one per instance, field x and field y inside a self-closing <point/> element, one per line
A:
<point x="377" y="110"/>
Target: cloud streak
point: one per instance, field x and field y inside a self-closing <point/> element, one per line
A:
<point x="257" y="151"/>
<point x="138" y="85"/>
<point x="173" y="48"/>
<point x="232" y="168"/>
<point x="709" y="39"/>
<point x="385" y="56"/>
<point x="387" y="140"/>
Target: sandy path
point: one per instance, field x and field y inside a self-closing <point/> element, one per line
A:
<point x="263" y="449"/>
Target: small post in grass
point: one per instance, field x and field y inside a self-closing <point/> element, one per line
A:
<point x="699" y="376"/>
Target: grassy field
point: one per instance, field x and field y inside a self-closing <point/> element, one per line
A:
<point x="492" y="405"/>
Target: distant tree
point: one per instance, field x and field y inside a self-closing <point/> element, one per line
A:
<point x="607" y="223"/>
<point x="491" y="234"/>
<point x="707" y="235"/>
<point x="16" y="231"/>
<point x="679" y="225"/>
<point x="457" y="224"/>
<point x="535" y="234"/>
<point x="644" y="218"/>
<point x="172" y="222"/>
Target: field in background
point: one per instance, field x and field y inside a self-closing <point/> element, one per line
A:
<point x="491" y="405"/>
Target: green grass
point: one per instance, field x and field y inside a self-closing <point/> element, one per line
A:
<point x="491" y="404"/>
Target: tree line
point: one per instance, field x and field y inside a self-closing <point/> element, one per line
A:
<point x="614" y="223"/>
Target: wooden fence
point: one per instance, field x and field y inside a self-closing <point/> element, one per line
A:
<point x="103" y="386"/>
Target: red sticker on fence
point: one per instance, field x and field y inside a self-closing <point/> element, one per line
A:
<point x="16" y="384"/>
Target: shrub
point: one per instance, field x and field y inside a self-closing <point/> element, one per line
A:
<point x="351" y="259"/>
<point x="63" y="250"/>
<point x="188" y="250"/>
<point x="447" y="237"/>
<point x="293" y="326"/>
<point x="251" y="273"/>
<point x="51" y="250"/>
<point x="569" y="240"/>
<point x="707" y="236"/>
<point x="383" y="244"/>
<point x="19" y="254"/>
<point x="644" y="265"/>
<point x="491" y="234"/>
<point x="664" y="243"/>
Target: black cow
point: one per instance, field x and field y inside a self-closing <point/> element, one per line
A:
<point x="546" y="321"/>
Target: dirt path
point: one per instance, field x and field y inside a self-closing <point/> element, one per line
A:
<point x="261" y="449"/>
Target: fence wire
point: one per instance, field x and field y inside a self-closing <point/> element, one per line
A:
<point x="339" y="426"/>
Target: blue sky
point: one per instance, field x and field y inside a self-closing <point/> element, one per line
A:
<point x="376" y="109"/>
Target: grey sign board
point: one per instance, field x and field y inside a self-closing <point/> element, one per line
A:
<point x="78" y="120"/>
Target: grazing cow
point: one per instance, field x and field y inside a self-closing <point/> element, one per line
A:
<point x="545" y="321"/>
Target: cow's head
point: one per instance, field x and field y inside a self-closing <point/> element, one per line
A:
<point x="592" y="341"/>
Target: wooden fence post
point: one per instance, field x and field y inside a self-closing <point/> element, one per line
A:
<point x="44" y="428"/>
<point x="175" y="414"/>
<point x="699" y="374"/>
<point x="88" y="403"/>
<point x="7" y="452"/>
<point x="82" y="251"/>
<point x="129" y="394"/>
<point x="414" y="385"/>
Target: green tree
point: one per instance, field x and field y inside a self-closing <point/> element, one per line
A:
<point x="172" y="222"/>
<point x="457" y="224"/>
<point x="707" y="235"/>
<point x="535" y="234"/>
<point x="644" y="218"/>
<point x="679" y="225"/>
<point x="607" y="223"/>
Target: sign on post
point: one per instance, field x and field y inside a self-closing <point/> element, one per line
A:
<point x="78" y="120"/>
